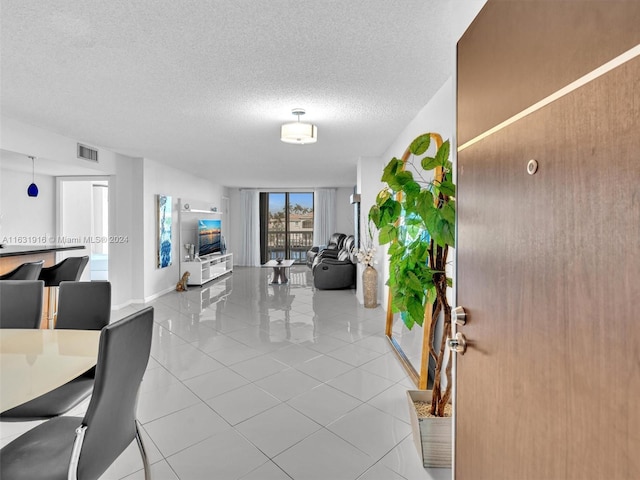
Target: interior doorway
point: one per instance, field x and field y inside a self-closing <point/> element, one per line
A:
<point x="83" y="219"/>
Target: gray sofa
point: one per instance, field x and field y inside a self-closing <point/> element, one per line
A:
<point x="335" y="242"/>
<point x="335" y="269"/>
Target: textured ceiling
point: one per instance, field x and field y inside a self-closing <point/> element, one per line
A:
<point x="205" y="85"/>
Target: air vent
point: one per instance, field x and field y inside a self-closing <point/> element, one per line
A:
<point x="87" y="153"/>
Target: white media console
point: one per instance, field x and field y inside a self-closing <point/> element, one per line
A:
<point x="207" y="268"/>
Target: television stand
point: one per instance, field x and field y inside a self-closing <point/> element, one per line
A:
<point x="206" y="268"/>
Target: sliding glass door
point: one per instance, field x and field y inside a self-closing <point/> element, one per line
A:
<point x="287" y="225"/>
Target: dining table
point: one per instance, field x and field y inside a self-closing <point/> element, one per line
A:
<point x="36" y="361"/>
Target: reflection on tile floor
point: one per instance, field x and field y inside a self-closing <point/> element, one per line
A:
<point x="255" y="381"/>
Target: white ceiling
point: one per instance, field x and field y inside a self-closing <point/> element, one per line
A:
<point x="205" y="85"/>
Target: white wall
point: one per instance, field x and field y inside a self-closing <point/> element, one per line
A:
<point x="23" y="219"/>
<point x="133" y="183"/>
<point x="344" y="211"/>
<point x="162" y="180"/>
<point x="436" y="116"/>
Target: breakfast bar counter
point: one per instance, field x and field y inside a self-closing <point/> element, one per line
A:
<point x="12" y="256"/>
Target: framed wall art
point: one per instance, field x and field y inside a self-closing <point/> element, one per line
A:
<point x="164" y="231"/>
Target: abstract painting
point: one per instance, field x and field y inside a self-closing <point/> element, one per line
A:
<point x="164" y="231"/>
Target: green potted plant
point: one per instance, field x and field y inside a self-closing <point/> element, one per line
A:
<point x="415" y="215"/>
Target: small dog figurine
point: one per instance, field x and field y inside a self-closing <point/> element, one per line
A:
<point x="181" y="286"/>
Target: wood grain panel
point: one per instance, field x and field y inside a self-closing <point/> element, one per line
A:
<point x="518" y="52"/>
<point x="548" y="268"/>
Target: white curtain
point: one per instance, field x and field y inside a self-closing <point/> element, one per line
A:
<point x="249" y="254"/>
<point x="324" y="215"/>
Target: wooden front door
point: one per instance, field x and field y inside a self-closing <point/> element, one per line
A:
<point x="548" y="264"/>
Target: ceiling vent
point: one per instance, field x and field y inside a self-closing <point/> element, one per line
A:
<point x="87" y="153"/>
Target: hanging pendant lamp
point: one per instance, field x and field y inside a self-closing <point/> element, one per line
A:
<point x="299" y="132"/>
<point x="32" y="190"/>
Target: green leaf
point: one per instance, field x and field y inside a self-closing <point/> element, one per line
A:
<point x="431" y="221"/>
<point x="442" y="155"/>
<point x="391" y="169"/>
<point x="444" y="234"/>
<point x="407" y="320"/>
<point x="404" y="177"/>
<point x="416" y="310"/>
<point x="383" y="196"/>
<point x="411" y="189"/>
<point x="448" y="212"/>
<point x="414" y="283"/>
<point x="429" y="163"/>
<point x="447" y="188"/>
<point x="387" y="234"/>
<point x="420" y="144"/>
<point x="431" y="295"/>
<point x="374" y="215"/>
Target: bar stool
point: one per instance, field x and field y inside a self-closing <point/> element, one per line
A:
<point x="26" y="271"/>
<point x="68" y="270"/>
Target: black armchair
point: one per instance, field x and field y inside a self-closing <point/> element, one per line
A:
<point x="334" y="244"/>
<point x="336" y="272"/>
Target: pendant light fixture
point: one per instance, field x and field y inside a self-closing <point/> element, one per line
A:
<point x="299" y="132"/>
<point x="32" y="190"/>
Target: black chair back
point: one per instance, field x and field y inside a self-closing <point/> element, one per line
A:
<point x="69" y="269"/>
<point x="110" y="419"/>
<point x="26" y="271"/>
<point x="21" y="303"/>
<point x="84" y="305"/>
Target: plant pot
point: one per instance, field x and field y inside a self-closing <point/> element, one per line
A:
<point x="432" y="436"/>
<point x="370" y="287"/>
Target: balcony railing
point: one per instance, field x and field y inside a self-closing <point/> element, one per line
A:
<point x="299" y="243"/>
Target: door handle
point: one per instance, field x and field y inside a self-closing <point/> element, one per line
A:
<point x="458" y="344"/>
<point x="459" y="315"/>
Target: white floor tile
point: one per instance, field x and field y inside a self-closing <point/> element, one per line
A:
<point x="268" y="471"/>
<point x="324" y="404"/>
<point x="380" y="472"/>
<point x="405" y="460"/>
<point x="371" y="430"/>
<point x="232" y="355"/>
<point x="185" y="361"/>
<point x="386" y="366"/>
<point x="154" y="404"/>
<point x="361" y="384"/>
<point x="185" y="428"/>
<point x="354" y="354"/>
<point x="323" y="456"/>
<point x="157" y="378"/>
<point x="159" y="471"/>
<point x="130" y="460"/>
<point x="287" y="384"/>
<point x="294" y="355"/>
<point x="215" y="383"/>
<point x="290" y="425"/>
<point x="258" y="367"/>
<point x="242" y="403"/>
<point x="305" y="377"/>
<point x="393" y="401"/>
<point x="324" y="368"/>
<point x="226" y="456"/>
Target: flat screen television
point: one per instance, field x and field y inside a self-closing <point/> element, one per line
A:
<point x="209" y="237"/>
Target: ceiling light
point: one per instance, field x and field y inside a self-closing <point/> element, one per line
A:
<point x="299" y="132"/>
<point x="32" y="190"/>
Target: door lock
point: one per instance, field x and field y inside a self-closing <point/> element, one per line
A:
<point x="459" y="315"/>
<point x="458" y="344"/>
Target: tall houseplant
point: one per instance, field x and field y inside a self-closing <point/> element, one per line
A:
<point x="415" y="214"/>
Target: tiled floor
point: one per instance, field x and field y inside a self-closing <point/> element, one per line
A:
<point x="255" y="381"/>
